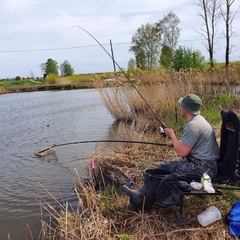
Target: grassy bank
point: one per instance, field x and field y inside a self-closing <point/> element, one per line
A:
<point x="104" y="211"/>
<point x="162" y="88"/>
<point x="202" y="82"/>
<point x="53" y="82"/>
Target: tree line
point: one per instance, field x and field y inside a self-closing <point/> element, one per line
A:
<point x="51" y="66"/>
<point x="155" y="44"/>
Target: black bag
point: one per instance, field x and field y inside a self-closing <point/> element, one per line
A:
<point x="168" y="192"/>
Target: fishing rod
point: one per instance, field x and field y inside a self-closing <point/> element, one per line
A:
<point x="51" y="151"/>
<point x="161" y="129"/>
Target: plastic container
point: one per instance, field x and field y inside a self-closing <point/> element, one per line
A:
<point x="195" y="185"/>
<point x="209" y="216"/>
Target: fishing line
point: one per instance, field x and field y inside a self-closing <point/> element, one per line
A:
<point x="51" y="151"/>
<point x="155" y="114"/>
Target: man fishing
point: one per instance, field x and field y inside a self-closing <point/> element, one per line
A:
<point x="197" y="147"/>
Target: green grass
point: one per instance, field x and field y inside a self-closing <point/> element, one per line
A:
<point x="108" y="194"/>
<point x="123" y="236"/>
<point x="213" y="104"/>
<point x="24" y="82"/>
<point x="54" y="79"/>
<point x="211" y="110"/>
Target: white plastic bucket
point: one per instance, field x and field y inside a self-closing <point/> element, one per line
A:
<point x="209" y="216"/>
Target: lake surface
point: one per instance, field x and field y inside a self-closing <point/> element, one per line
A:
<point x="33" y="121"/>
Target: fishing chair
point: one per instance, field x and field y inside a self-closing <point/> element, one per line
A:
<point x="229" y="163"/>
<point x="169" y="192"/>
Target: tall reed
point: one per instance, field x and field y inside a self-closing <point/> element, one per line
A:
<point x="162" y="89"/>
<point x="103" y="215"/>
<point x="105" y="212"/>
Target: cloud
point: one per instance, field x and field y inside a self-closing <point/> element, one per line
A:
<point x="14" y="5"/>
<point x="42" y="24"/>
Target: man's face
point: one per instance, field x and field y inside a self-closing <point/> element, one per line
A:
<point x="182" y="111"/>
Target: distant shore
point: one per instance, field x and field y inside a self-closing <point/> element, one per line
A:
<point x="52" y="87"/>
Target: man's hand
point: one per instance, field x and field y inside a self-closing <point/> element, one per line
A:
<point x="181" y="149"/>
<point x="170" y="144"/>
<point x="169" y="132"/>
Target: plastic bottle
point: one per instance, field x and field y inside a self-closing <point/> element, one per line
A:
<point x="131" y="183"/>
<point x="207" y="183"/>
<point x="206" y="177"/>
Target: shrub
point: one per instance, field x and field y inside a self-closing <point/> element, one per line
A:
<point x="185" y="58"/>
<point x="52" y="78"/>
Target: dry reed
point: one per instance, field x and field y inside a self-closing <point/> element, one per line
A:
<point x="101" y="216"/>
<point x="161" y="89"/>
<point x="3" y="90"/>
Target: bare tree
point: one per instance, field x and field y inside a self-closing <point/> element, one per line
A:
<point x="210" y="14"/>
<point x="228" y="17"/>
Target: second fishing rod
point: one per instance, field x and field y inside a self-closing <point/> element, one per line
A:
<point x="161" y="129"/>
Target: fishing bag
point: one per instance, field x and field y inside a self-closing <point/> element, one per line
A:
<point x="166" y="187"/>
<point x="233" y="220"/>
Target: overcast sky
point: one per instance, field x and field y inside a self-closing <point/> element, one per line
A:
<point x="31" y="31"/>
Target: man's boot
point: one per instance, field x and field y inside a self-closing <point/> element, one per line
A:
<point x="140" y="196"/>
<point x="136" y="196"/>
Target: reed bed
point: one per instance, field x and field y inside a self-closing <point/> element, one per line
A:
<point x="107" y="214"/>
<point x="104" y="211"/>
<point x="162" y="88"/>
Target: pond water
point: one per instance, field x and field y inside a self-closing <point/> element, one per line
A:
<point x="33" y="121"/>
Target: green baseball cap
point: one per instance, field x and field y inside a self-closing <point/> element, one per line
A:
<point x="191" y="103"/>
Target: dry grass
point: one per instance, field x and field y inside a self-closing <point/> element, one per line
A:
<point x="161" y="89"/>
<point x="112" y="217"/>
<point x="64" y="80"/>
<point x="104" y="211"/>
<point x="3" y="90"/>
<point x="87" y="222"/>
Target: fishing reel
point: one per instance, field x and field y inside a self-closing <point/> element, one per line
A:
<point x="161" y="131"/>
